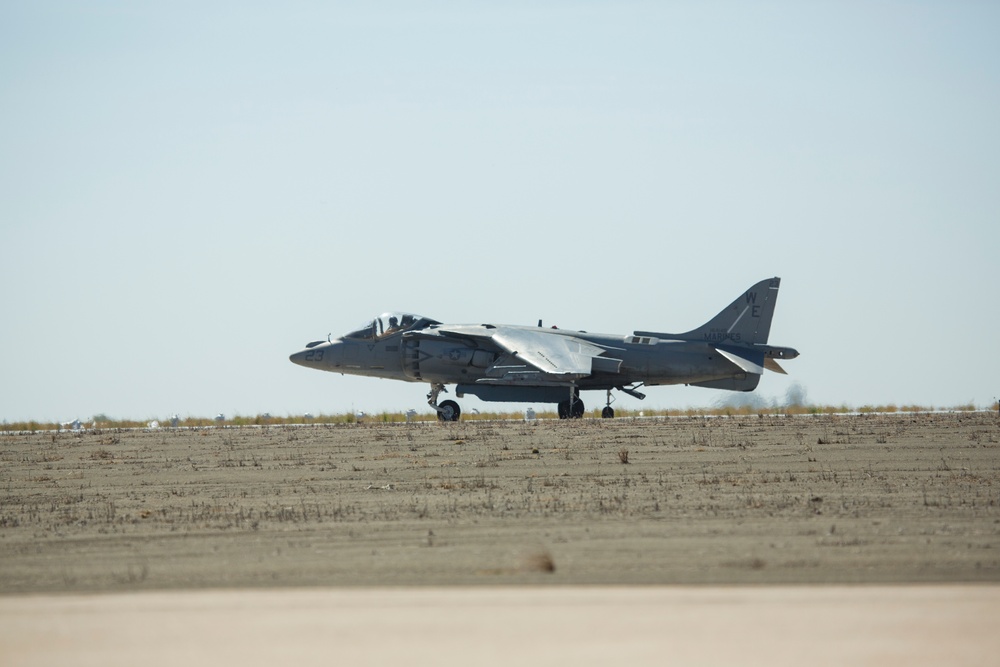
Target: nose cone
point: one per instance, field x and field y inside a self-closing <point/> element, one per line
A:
<point x="300" y="358"/>
<point x="320" y="355"/>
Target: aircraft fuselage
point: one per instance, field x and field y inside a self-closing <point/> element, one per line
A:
<point x="644" y="359"/>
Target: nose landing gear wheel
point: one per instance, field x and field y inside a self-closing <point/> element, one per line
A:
<point x="449" y="411"/>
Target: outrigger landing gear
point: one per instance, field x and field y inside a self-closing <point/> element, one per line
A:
<point x="609" y="412"/>
<point x="448" y="411"/>
<point x="573" y="407"/>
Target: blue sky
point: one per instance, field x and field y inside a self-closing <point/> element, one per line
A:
<point x="189" y="192"/>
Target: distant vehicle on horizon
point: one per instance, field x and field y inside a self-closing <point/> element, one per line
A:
<point x="524" y="364"/>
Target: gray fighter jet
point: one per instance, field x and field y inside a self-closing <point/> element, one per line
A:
<point x="525" y="364"/>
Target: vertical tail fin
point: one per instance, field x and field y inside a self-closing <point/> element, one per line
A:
<point x="739" y="333"/>
<point x="746" y="320"/>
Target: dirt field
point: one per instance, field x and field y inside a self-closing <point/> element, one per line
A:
<point x="777" y="500"/>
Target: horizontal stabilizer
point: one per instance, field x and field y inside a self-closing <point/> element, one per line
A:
<point x="741" y="359"/>
<point x="772" y="365"/>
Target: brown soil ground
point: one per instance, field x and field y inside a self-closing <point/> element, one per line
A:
<point x="902" y="498"/>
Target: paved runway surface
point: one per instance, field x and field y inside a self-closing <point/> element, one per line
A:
<point x="835" y="625"/>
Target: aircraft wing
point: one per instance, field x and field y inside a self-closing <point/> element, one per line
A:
<point x="555" y="356"/>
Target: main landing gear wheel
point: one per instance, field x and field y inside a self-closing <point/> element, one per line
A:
<point x="571" y="412"/>
<point x="449" y="411"/>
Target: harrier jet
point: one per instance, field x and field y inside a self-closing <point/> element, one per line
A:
<point x="535" y="364"/>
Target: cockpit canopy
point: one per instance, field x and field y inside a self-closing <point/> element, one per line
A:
<point x="387" y="324"/>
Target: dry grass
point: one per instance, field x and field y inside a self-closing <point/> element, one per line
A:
<point x="346" y="419"/>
